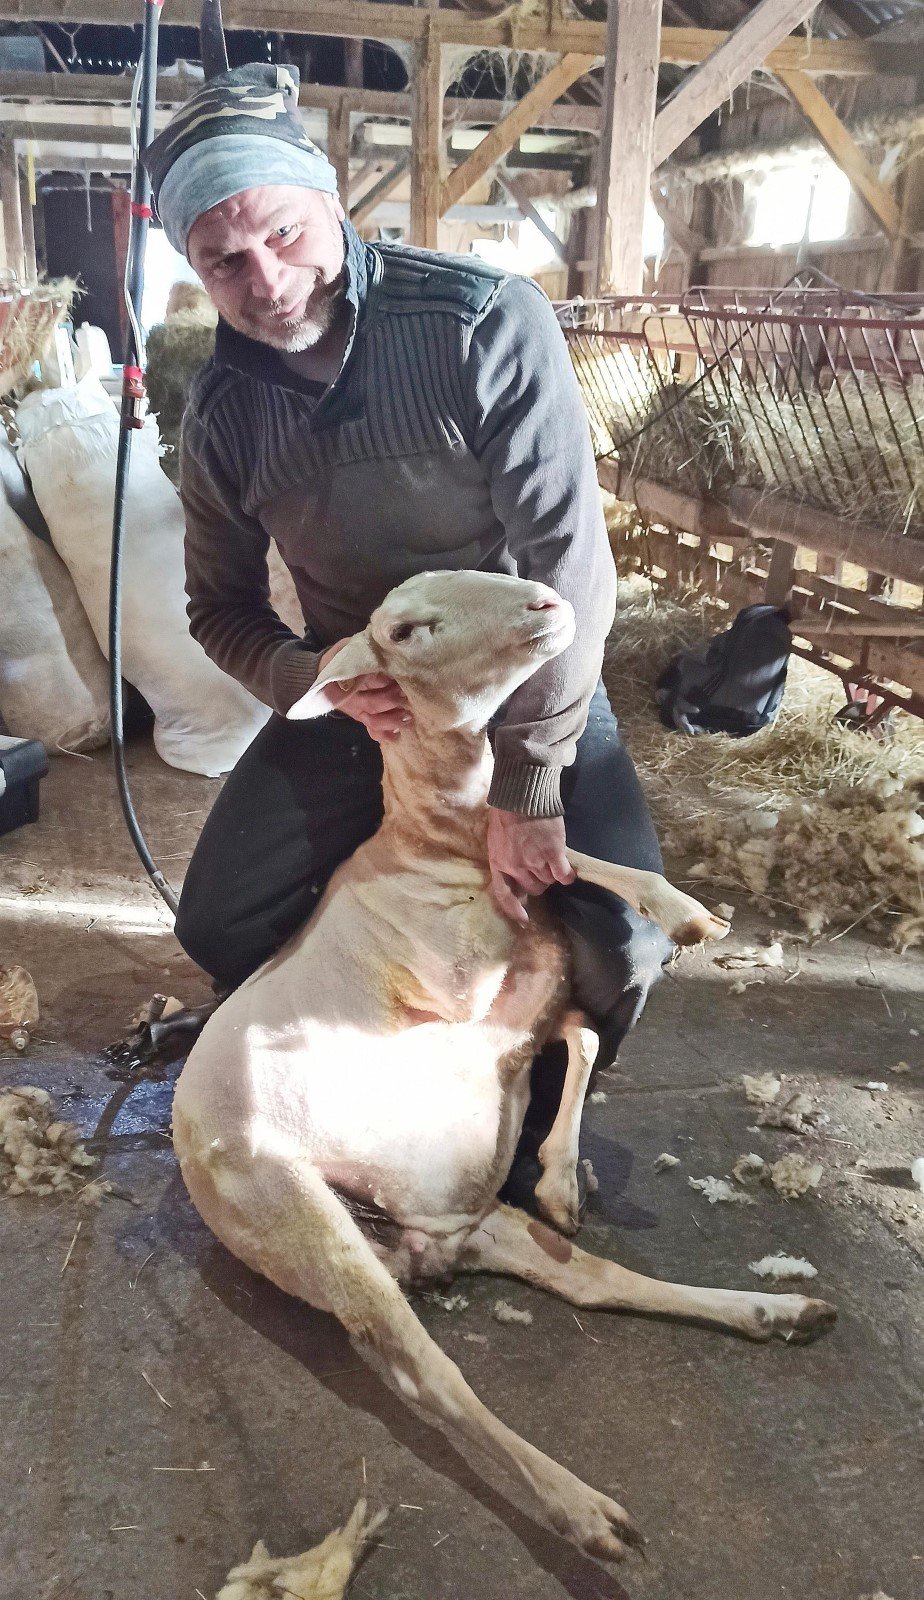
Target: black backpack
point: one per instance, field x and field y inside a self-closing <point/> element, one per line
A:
<point x="732" y="683"/>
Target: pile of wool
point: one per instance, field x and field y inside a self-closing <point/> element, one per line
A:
<point x="854" y="853"/>
<point x="39" y="1154"/>
<point x="322" y="1573"/>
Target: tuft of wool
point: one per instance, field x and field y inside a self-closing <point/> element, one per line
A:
<point x="593" y="1182"/>
<point x="793" y="1176"/>
<point x="751" y="956"/>
<point x="781" y="1269"/>
<point x="598" y="1098"/>
<point x="447" y="1302"/>
<point x="502" y="1311"/>
<point x="719" y="1189"/>
<point x="761" y="1091"/>
<point x="39" y="1154"/>
<point x="917" y="1172"/>
<point x="321" y="1573"/>
<point x="665" y="1162"/>
<point x="749" y="1169"/>
<point x="797" y="1114"/>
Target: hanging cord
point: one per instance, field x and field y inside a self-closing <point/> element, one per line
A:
<point x="132" y="416"/>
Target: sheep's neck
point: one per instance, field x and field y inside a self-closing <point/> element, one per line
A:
<point x="435" y="790"/>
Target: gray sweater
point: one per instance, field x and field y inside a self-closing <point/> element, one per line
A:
<point x="454" y="437"/>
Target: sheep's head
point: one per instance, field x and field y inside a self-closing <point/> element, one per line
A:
<point x="458" y="643"/>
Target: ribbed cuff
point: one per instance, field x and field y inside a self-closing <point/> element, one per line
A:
<point x="533" y="791"/>
<point x="292" y="674"/>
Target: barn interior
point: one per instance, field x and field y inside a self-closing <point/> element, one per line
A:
<point x="725" y="203"/>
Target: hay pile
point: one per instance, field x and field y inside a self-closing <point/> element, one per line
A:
<point x="854" y="448"/>
<point x="808" y="818"/>
<point x="176" y="349"/>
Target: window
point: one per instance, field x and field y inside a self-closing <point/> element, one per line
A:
<point x="163" y="267"/>
<point x="786" y="198"/>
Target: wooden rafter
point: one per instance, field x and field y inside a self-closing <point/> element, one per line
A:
<point x="703" y="91"/>
<point x="505" y="134"/>
<point x="629" y="100"/>
<point x="380" y="190"/>
<point x="842" y="147"/>
<point x="356" y="19"/>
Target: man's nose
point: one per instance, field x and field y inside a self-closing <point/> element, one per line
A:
<point x="267" y="275"/>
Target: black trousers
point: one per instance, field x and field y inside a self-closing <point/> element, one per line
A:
<point x="306" y="794"/>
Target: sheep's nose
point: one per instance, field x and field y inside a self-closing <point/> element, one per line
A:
<point x="547" y="603"/>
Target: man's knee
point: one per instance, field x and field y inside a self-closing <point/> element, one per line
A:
<point x="198" y="932"/>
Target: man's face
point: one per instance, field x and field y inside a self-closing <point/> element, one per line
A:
<point x="272" y="261"/>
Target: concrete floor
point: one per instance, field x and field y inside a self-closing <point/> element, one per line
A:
<point x="755" y="1471"/>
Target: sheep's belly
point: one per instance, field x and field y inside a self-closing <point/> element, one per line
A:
<point x="417" y="1124"/>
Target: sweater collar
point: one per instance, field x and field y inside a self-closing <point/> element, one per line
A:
<point x="256" y="360"/>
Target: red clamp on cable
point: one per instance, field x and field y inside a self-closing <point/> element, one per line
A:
<point x="134" y="397"/>
<point x="138" y="209"/>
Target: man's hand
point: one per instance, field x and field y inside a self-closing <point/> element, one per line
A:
<point x="374" y="700"/>
<point x="526" y="854"/>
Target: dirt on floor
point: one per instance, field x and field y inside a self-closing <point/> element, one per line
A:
<point x="164" y="1408"/>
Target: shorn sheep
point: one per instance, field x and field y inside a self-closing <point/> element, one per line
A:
<point x="349" y="1114"/>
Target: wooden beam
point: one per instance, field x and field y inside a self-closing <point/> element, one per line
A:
<point x="514" y="187"/>
<point x="630" y="88"/>
<point x="842" y="147"/>
<point x="381" y="190"/>
<point x="704" y="90"/>
<point x="98" y="88"/>
<point x="360" y="19"/>
<point x="769" y="516"/>
<point x="338" y="148"/>
<point x="14" y="245"/>
<point x="426" y="136"/>
<point x="505" y="134"/>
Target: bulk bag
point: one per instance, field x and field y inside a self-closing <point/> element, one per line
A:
<point x="53" y="678"/>
<point x="203" y="719"/>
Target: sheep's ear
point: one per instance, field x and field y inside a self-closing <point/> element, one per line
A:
<point x="357" y="657"/>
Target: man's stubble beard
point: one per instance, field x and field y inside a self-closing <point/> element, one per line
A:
<point x="321" y="312"/>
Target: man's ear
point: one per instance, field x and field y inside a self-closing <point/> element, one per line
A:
<point x="357" y="657"/>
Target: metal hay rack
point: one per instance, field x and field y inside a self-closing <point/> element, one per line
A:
<point x="774" y="445"/>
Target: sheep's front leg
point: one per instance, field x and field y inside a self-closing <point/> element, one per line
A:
<point x="682" y="918"/>
<point x="508" y="1241"/>
<point x="557" y="1191"/>
<point x="277" y="1213"/>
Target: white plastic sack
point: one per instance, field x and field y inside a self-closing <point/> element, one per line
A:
<point x="203" y="719"/>
<point x="53" y="678"/>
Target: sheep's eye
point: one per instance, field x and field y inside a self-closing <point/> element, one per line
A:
<point x="401" y="631"/>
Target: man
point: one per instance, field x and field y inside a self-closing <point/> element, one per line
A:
<point x="378" y="412"/>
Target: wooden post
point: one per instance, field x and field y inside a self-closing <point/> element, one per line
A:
<point x="338" y="148"/>
<point x="630" y="85"/>
<point x="14" y="248"/>
<point x="426" y="137"/>
<point x="28" y="228"/>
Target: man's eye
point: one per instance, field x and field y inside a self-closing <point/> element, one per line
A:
<point x="286" y="231"/>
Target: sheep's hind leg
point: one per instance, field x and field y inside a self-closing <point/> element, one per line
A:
<point x="510" y="1242"/>
<point x="279" y="1215"/>
<point x="557" y="1190"/>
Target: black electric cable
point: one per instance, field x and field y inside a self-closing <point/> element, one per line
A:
<point x="132" y="416"/>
